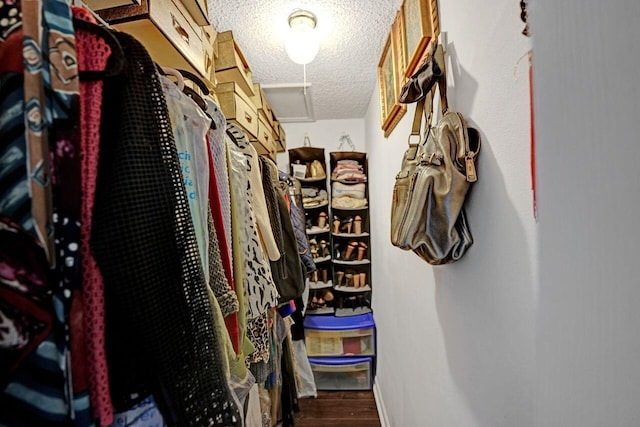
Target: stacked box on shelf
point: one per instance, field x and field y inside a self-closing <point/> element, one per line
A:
<point x="341" y="351"/>
<point x="232" y="67"/>
<point x="173" y="31"/>
<point x="266" y="134"/>
<point x="238" y="108"/>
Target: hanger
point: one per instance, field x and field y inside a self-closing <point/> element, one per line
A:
<point x="197" y="80"/>
<point x="195" y="95"/>
<point x="166" y="71"/>
<point x="346" y="139"/>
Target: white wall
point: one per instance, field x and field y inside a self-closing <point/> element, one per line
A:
<point x="323" y="134"/>
<point x="457" y="343"/>
<point x="587" y="110"/>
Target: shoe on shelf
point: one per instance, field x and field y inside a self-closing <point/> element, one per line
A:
<point x="336" y="225"/>
<point x="327" y="295"/>
<point x="313" y="248"/>
<point x="349" y="279"/>
<point x="337" y="253"/>
<point x="325" y="275"/>
<point x="357" y="224"/>
<point x="339" y="277"/>
<point x="356" y="280"/>
<point x="362" y="250"/>
<point x="323" y="249"/>
<point x="322" y="220"/>
<point x="345" y="225"/>
<point x="363" y="279"/>
<point x="349" y="253"/>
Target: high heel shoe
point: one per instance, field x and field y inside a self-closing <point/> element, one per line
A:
<point x="362" y="249"/>
<point x="357" y="225"/>
<point x="313" y="248"/>
<point x="324" y="249"/>
<point x="336" y="251"/>
<point x="346" y="225"/>
<point x="349" y="279"/>
<point x="356" y="280"/>
<point x="328" y="296"/>
<point x="363" y="279"/>
<point x="349" y="252"/>
<point x="339" y="277"/>
<point x="322" y="220"/>
<point x="336" y="225"/>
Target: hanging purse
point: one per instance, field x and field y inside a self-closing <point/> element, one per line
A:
<point x="427" y="211"/>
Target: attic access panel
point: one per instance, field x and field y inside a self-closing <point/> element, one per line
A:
<point x="289" y="102"/>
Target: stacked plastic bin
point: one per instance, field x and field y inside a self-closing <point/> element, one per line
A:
<point x="341" y="351"/>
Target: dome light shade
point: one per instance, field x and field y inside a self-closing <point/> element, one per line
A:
<point x="302" y="44"/>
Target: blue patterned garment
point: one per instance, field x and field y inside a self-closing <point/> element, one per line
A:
<point x="39" y="389"/>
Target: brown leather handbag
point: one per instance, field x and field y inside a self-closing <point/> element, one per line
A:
<point x="427" y="211"/>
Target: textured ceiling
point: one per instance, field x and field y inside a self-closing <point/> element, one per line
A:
<point x="352" y="34"/>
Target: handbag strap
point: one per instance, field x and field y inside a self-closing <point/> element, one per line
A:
<point x="420" y="106"/>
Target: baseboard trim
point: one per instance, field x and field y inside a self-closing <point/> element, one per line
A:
<point x="382" y="410"/>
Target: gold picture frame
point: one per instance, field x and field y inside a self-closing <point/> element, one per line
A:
<point x="421" y="25"/>
<point x="390" y="78"/>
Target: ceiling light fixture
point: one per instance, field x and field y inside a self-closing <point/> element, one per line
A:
<point x="302" y="44"/>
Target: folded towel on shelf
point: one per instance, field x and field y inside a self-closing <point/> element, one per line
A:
<point x="354" y="191"/>
<point x="349" y="175"/>
<point x="348" y="162"/>
<point x="348" y="203"/>
<point x="313" y="196"/>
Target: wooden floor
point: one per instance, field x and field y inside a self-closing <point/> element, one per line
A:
<point x="338" y="409"/>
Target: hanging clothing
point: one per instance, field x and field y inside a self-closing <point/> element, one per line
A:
<point x="50" y="385"/>
<point x="218" y="228"/>
<point x="287" y="271"/>
<point x="260" y="291"/>
<point x="258" y="333"/>
<point x="47" y="28"/>
<point x="93" y="54"/>
<point x="296" y="211"/>
<point x="238" y="214"/>
<point x="218" y="283"/>
<point x="159" y="316"/>
<point x="219" y="152"/>
<point x="256" y="192"/>
<point x="190" y="126"/>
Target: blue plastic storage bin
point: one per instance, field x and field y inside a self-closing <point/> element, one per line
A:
<point x="340" y="336"/>
<point x="342" y="373"/>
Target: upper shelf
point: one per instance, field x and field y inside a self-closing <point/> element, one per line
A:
<point x="321" y="205"/>
<point x="353" y="235"/>
<point x="346" y="181"/>
<point x="362" y="208"/>
<point x="324" y="178"/>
